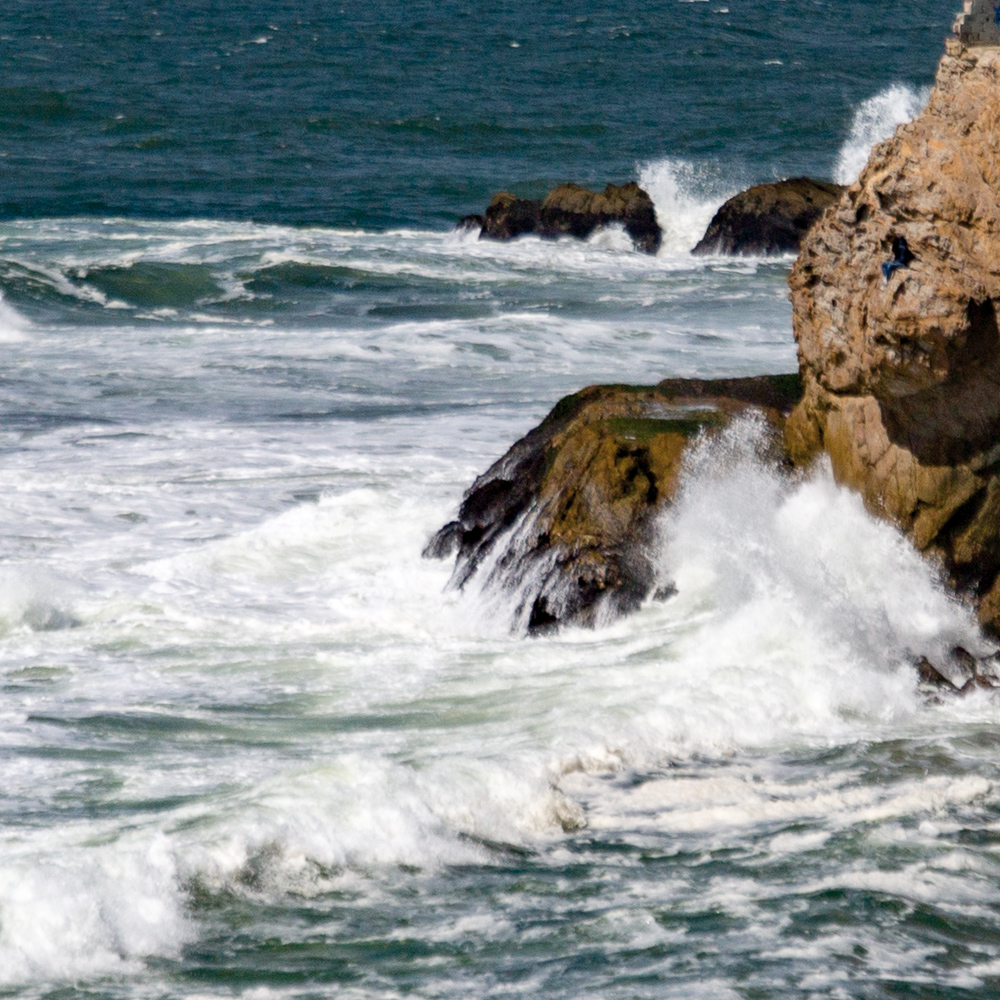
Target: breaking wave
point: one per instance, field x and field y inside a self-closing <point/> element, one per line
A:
<point x="686" y="194"/>
<point x="13" y="326"/>
<point x="875" y="120"/>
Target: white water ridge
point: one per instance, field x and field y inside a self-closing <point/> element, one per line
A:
<point x="875" y="120"/>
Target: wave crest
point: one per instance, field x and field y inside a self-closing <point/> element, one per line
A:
<point x="874" y="121"/>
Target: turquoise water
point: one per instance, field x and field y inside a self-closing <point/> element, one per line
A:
<point x="251" y="743"/>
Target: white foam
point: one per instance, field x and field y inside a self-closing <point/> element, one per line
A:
<point x="33" y="598"/>
<point x="804" y="555"/>
<point x="685" y="195"/>
<point x="13" y="326"/>
<point x="75" y="911"/>
<point x="875" y="120"/>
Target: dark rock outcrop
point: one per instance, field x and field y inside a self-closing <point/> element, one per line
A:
<point x="508" y="216"/>
<point x="571" y="210"/>
<point x="902" y="371"/>
<point x="564" y="520"/>
<point x="768" y="218"/>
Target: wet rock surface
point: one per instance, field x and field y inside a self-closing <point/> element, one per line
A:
<point x="563" y="522"/>
<point x="902" y="369"/>
<point x="768" y="218"/>
<point x="961" y="674"/>
<point x="571" y="210"/>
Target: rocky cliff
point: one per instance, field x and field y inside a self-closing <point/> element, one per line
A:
<point x="894" y="296"/>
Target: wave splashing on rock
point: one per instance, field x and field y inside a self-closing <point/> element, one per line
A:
<point x="874" y="121"/>
<point x="794" y="564"/>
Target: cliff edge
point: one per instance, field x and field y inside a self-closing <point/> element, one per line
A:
<point x="894" y="301"/>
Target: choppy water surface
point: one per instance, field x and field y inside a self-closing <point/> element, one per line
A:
<point x="251" y="744"/>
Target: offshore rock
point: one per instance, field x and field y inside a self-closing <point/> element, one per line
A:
<point x="565" y="519"/>
<point x="571" y="210"/>
<point x="768" y="218"/>
<point x="902" y="368"/>
<point x="508" y="216"/>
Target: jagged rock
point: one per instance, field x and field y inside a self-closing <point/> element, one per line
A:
<point x="962" y="674"/>
<point x="902" y="374"/>
<point x="571" y="210"/>
<point x="563" y="521"/>
<point x="768" y="218"/>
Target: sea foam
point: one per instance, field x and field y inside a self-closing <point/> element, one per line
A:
<point x="802" y="554"/>
<point x="13" y="326"/>
<point x="875" y="120"/>
<point x="686" y="194"/>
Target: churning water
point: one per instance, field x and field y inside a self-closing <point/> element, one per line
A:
<point x="251" y="746"/>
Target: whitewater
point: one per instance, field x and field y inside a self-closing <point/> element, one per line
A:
<point x="252" y="743"/>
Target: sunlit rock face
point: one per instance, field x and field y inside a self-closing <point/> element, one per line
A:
<point x="901" y="363"/>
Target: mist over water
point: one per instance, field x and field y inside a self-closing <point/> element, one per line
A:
<point x="252" y="745"/>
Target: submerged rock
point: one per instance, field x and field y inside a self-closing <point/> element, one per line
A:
<point x="571" y="210"/>
<point x="565" y="519"/>
<point x="768" y="218"/>
<point x="901" y="364"/>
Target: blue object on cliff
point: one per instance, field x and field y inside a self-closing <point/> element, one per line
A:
<point x="901" y="256"/>
<point x="996" y="16"/>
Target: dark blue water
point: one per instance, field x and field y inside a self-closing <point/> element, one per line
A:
<point x="381" y="114"/>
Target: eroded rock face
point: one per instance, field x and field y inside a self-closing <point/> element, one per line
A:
<point x="768" y="218"/>
<point x="902" y="374"/>
<point x="571" y="210"/>
<point x="563" y="522"/>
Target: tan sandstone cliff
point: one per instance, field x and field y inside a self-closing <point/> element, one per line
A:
<point x="902" y="374"/>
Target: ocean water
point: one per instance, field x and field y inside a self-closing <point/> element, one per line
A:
<point x="251" y="745"/>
